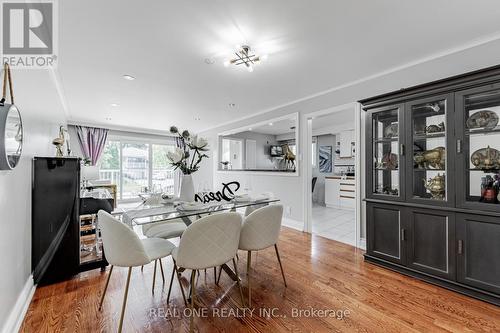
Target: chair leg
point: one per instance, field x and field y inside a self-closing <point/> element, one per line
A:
<point x="191" y="319"/>
<point x="215" y="274"/>
<point x="124" y="300"/>
<point x="180" y="284"/>
<point x="142" y="268"/>
<point x="218" y="277"/>
<point x="171" y="282"/>
<point x="281" y="266"/>
<point x="161" y="270"/>
<point x="154" y="277"/>
<point x="249" y="265"/>
<point x="105" y="287"/>
<point x="238" y="282"/>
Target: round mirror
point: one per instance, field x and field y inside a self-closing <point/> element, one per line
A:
<point x="11" y="136"/>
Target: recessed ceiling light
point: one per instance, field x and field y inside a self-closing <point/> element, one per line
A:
<point x="232" y="105"/>
<point x="250" y="129"/>
<point x="128" y="77"/>
<point x="270" y="124"/>
<point x="209" y="61"/>
<point x="115" y="105"/>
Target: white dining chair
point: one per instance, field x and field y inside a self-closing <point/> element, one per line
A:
<point x="261" y="230"/>
<point x="166" y="230"/>
<point x="209" y="242"/>
<point x="123" y="248"/>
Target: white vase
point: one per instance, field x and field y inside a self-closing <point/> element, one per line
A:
<point x="187" y="188"/>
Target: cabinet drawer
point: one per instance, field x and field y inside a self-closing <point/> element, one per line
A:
<point x="347" y="202"/>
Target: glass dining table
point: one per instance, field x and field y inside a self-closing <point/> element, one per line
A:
<point x="146" y="214"/>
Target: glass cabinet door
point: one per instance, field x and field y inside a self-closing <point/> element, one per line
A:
<point x="428" y="139"/>
<point x="384" y="153"/>
<point x="479" y="147"/>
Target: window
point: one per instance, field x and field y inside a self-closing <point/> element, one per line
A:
<point x="163" y="172"/>
<point x="136" y="166"/>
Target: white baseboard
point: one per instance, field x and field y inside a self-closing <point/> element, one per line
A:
<point x="16" y="316"/>
<point x="362" y="243"/>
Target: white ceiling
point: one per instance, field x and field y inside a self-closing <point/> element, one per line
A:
<point x="312" y="46"/>
<point x="278" y="127"/>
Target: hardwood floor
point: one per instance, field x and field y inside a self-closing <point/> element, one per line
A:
<point x="321" y="274"/>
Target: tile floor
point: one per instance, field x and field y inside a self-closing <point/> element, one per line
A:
<point x="334" y="223"/>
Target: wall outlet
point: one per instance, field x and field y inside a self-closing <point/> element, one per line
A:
<point x="288" y="210"/>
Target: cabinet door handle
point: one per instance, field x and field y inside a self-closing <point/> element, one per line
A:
<point x="402" y="149"/>
<point x="403" y="234"/>
<point x="459" y="146"/>
<point x="460" y="246"/>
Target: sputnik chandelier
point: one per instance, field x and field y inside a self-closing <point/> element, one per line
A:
<point x="245" y="57"/>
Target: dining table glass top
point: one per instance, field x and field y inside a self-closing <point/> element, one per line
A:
<point x="147" y="214"/>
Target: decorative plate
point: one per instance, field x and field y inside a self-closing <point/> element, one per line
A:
<point x="391" y="130"/>
<point x="483" y="119"/>
<point x="486" y="158"/>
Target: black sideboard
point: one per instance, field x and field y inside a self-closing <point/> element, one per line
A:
<point x="433" y="182"/>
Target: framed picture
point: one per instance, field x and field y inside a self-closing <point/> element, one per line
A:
<point x="325" y="159"/>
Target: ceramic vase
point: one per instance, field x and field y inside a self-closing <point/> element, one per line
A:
<point x="187" y="188"/>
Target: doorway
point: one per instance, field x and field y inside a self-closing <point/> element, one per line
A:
<point x="333" y="201"/>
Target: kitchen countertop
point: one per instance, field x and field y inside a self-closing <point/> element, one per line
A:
<point x="340" y="177"/>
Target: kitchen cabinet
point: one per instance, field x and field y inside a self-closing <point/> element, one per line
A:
<point x="332" y="192"/>
<point x="346" y="138"/>
<point x="340" y="192"/>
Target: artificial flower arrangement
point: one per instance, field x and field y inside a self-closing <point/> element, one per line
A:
<point x="189" y="155"/>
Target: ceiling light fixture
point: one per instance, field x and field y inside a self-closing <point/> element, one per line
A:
<point x="128" y="77"/>
<point x="115" y="105"/>
<point x="270" y="124"/>
<point x="245" y="57"/>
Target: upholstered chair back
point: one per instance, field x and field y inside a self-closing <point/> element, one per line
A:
<point x="211" y="241"/>
<point x="261" y="228"/>
<point x="250" y="209"/>
<point x="122" y="246"/>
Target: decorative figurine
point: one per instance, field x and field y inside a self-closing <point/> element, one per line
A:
<point x="59" y="142"/>
<point x="434" y="158"/>
<point x="437" y="186"/>
<point x="439" y="128"/>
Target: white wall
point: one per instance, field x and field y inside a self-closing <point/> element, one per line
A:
<point x="42" y="113"/>
<point x="290" y="189"/>
<point x="263" y="142"/>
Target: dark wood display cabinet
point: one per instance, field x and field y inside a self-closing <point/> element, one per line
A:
<point x="433" y="182"/>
